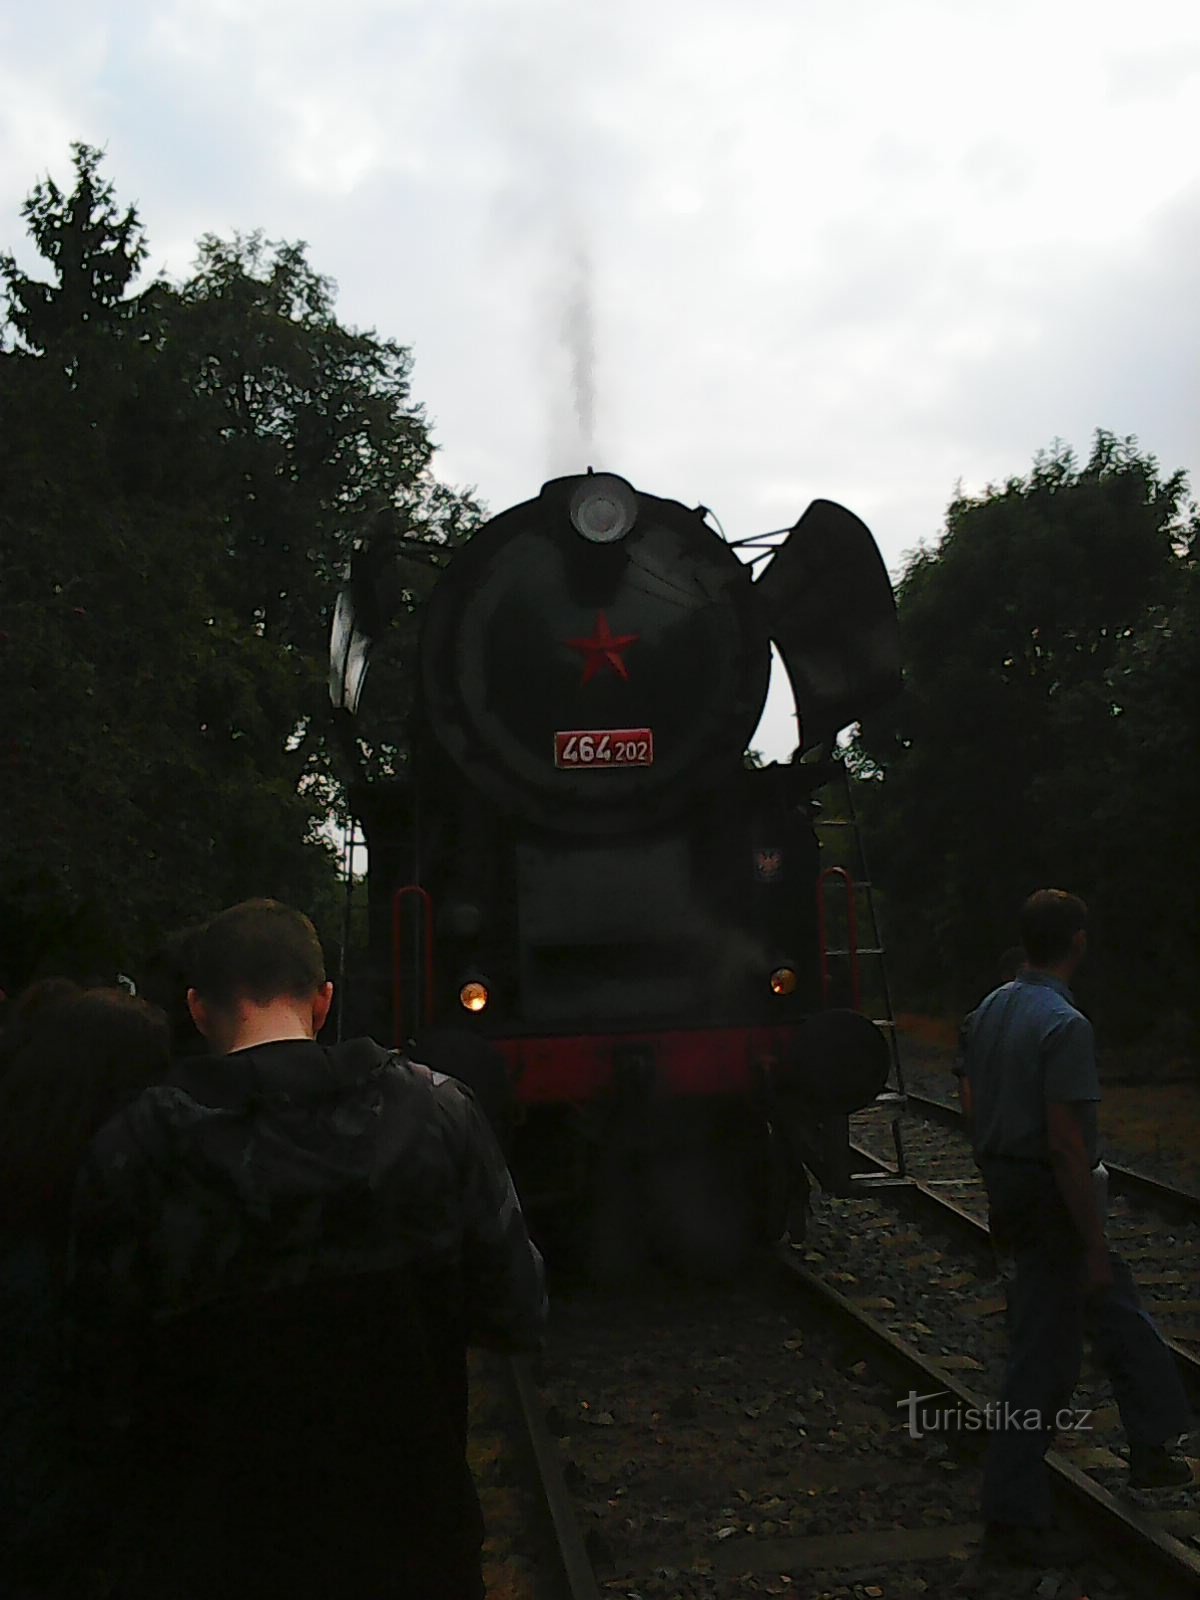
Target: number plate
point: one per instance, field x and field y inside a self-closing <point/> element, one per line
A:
<point x="604" y="747"/>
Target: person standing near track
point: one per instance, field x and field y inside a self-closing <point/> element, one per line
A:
<point x="79" y="1058"/>
<point x="279" y="1258"/>
<point x="1032" y="1094"/>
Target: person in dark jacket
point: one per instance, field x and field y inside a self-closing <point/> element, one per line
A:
<point x="279" y="1259"/>
<point x="477" y="1063"/>
<point x="1032" y="1095"/>
<point x="82" y="1055"/>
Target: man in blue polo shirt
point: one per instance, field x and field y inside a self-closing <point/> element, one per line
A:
<point x="1032" y="1095"/>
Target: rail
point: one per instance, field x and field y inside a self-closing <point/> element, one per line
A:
<point x="578" y="1581"/>
<point x="928" y="1203"/>
<point x="1136" y="1549"/>
<point x="1137" y="1186"/>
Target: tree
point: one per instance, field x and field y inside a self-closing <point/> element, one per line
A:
<point x="1001" y="769"/>
<point x="1141" y="785"/>
<point x="96" y="252"/>
<point x="316" y="445"/>
<point x="186" y="469"/>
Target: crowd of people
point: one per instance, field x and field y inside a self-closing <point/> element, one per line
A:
<point x="240" y="1274"/>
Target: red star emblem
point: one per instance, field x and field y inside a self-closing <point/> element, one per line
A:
<point x="605" y="647"/>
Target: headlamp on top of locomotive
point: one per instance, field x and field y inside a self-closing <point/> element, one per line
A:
<point x="603" y="508"/>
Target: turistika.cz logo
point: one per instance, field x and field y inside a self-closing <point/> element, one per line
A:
<point x="995" y="1417"/>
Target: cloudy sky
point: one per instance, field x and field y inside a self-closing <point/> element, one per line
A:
<point x="742" y="253"/>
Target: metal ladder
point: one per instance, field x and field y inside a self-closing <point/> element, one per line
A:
<point x="856" y="877"/>
<point x="352" y="841"/>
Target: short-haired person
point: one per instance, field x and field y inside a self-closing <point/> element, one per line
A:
<point x="1033" y="1098"/>
<point x="281" y="1255"/>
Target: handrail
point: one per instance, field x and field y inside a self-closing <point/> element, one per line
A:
<point x="851" y="935"/>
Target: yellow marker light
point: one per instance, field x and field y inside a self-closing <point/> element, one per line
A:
<point x="473" y="996"/>
<point x="783" y="980"/>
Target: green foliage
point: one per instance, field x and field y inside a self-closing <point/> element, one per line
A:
<point x="95" y="252"/>
<point x="1047" y="732"/>
<point x="186" y="470"/>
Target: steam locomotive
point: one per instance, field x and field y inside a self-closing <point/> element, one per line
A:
<point x="583" y="868"/>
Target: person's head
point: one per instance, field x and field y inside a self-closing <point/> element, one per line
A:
<point x="88" y="1055"/>
<point x="21" y="1018"/>
<point x="257" y="975"/>
<point x="1054" y="929"/>
<point x="42" y="997"/>
<point x="1010" y="963"/>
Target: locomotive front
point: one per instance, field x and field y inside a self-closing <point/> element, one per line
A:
<point x="612" y="896"/>
<point x="593" y="665"/>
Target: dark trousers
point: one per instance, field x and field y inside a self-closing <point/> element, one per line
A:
<point x="1047" y="1318"/>
<point x="1149" y="1391"/>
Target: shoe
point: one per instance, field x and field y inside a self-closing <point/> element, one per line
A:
<point x="1152" y="1466"/>
<point x="1007" y="1544"/>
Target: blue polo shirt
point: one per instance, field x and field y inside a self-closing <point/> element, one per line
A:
<point x="1026" y="1044"/>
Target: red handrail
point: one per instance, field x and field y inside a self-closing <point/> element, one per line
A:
<point x="398" y="964"/>
<point x="851" y="935"/>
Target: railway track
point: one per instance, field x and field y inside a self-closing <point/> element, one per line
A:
<point x="723" y="1442"/>
<point x="1138" y="1187"/>
<point x="1129" y="1541"/>
<point x="572" y="1577"/>
<point x="714" y="1445"/>
<point x="910" y="1278"/>
<point x="1155" y="1226"/>
<point x="729" y="1441"/>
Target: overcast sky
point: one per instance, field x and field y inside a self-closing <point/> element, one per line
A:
<point x="742" y="253"/>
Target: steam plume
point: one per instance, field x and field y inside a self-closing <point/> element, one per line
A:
<point x="570" y="348"/>
<point x="579" y="343"/>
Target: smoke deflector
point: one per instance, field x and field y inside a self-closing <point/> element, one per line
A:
<point x="830" y="610"/>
